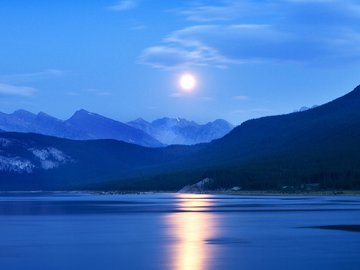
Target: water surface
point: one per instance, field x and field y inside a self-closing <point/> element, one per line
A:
<point x="171" y="231"/>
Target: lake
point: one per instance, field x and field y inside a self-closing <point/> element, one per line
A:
<point x="177" y="231"/>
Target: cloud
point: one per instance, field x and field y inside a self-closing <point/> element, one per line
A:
<point x="214" y="45"/>
<point x="208" y="13"/>
<point x="302" y="31"/>
<point x="31" y="77"/>
<point x="165" y="57"/>
<point x="124" y="5"/>
<point x="251" y="10"/>
<point x="179" y="57"/>
<point x="186" y="47"/>
<point x="9" y="84"/>
<point x="13" y="90"/>
<point x="224" y="11"/>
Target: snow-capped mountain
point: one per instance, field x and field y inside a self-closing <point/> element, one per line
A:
<point x="182" y="131"/>
<point x="83" y="125"/>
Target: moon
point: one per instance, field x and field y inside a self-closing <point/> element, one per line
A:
<point x="187" y="82"/>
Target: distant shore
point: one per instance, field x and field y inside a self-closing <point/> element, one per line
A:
<point x="245" y="193"/>
<point x="295" y="193"/>
<point x="234" y="193"/>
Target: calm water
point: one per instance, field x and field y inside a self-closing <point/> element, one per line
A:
<point x="169" y="231"/>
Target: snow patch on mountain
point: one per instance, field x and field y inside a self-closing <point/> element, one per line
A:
<point x="50" y="157"/>
<point x="20" y="156"/>
<point x="15" y="164"/>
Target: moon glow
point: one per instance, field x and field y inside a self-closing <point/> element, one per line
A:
<point x="187" y="82"/>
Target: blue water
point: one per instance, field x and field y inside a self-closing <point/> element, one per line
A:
<point x="168" y="231"/>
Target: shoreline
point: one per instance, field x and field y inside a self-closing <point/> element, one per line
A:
<point x="243" y="193"/>
<point x="232" y="193"/>
<point x="279" y="193"/>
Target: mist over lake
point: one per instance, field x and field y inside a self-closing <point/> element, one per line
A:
<point x="178" y="231"/>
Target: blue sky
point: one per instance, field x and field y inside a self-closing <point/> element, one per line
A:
<point x="122" y="59"/>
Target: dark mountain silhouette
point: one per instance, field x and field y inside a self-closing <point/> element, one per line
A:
<point x="320" y="145"/>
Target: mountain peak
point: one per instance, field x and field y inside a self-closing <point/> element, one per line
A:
<point x="221" y="121"/>
<point x="81" y="114"/>
<point x="354" y="93"/>
<point x="23" y="114"/>
<point x="82" y="111"/>
<point x="42" y="114"/>
<point x="167" y="121"/>
<point x="21" y="111"/>
<point x="140" y="121"/>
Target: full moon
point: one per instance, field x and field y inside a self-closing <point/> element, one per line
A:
<point x="187" y="82"/>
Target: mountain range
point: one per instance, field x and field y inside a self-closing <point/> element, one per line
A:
<point x="181" y="131"/>
<point x="84" y="125"/>
<point x="319" y="145"/>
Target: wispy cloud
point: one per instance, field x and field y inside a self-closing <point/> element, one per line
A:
<point x="222" y="11"/>
<point x="124" y="5"/>
<point x="186" y="48"/>
<point x="312" y="32"/>
<point x="33" y="76"/>
<point x="251" y="10"/>
<point x="169" y="58"/>
<point x="14" y="90"/>
<point x="210" y="45"/>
